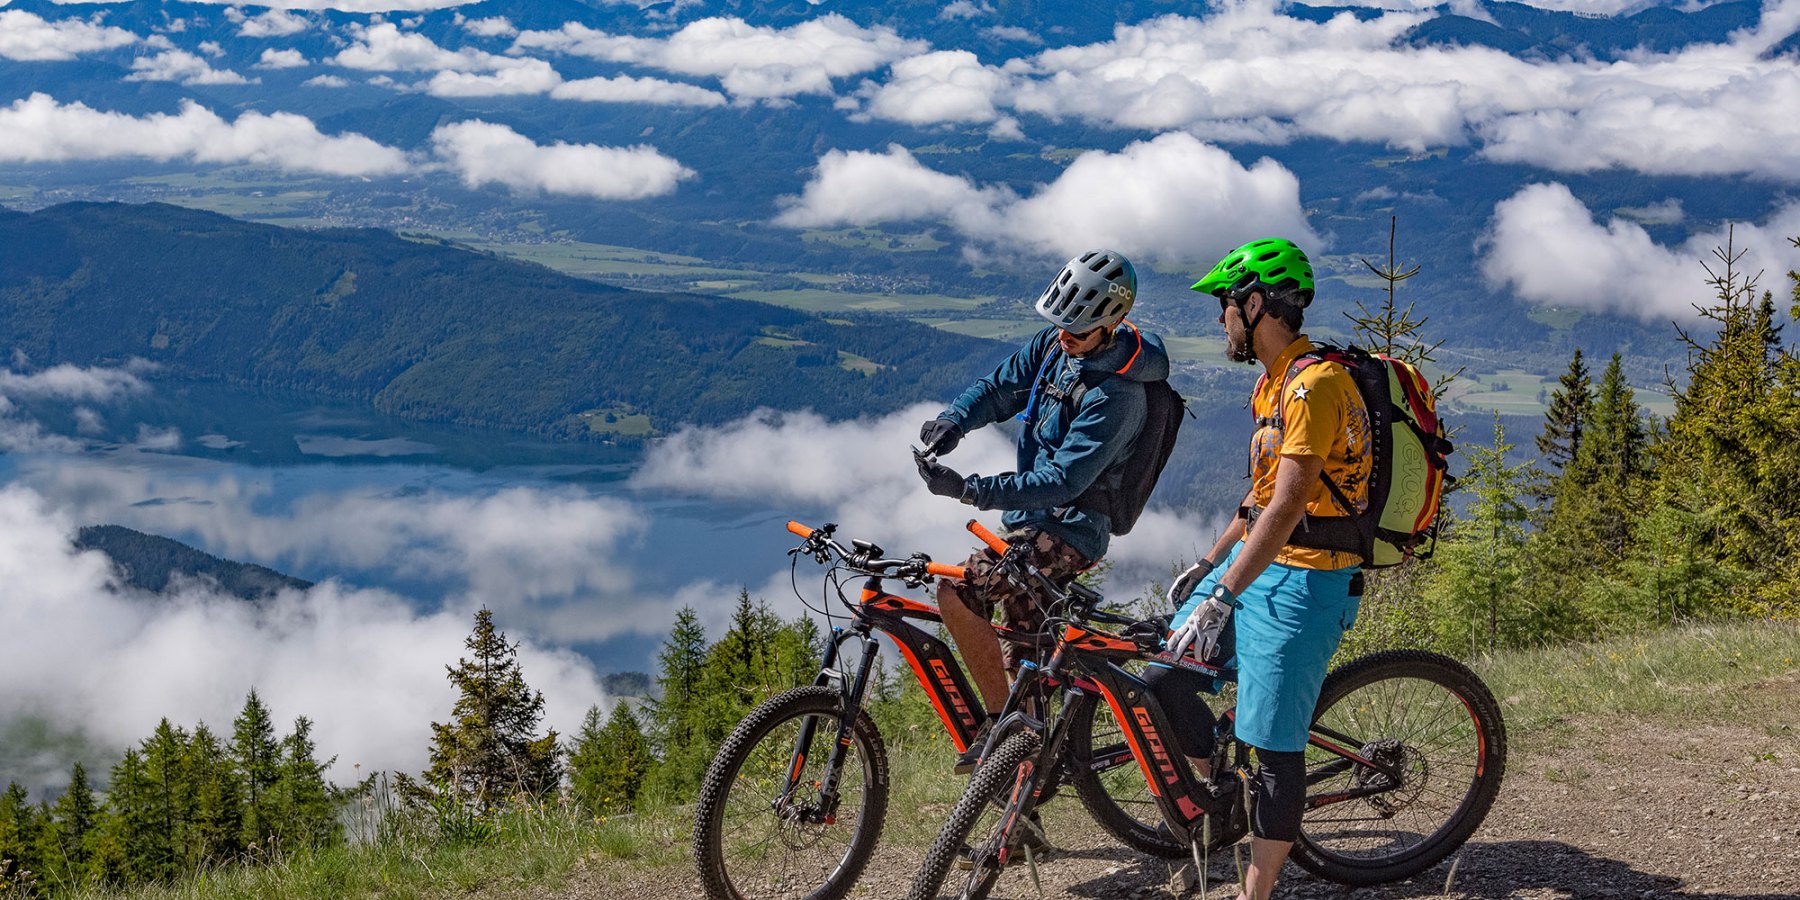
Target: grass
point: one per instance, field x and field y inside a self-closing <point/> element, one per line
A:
<point x="1696" y="674"/>
<point x="532" y="849"/>
<point x="1679" y="676"/>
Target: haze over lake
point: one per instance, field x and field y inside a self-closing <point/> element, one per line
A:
<point x="584" y="551"/>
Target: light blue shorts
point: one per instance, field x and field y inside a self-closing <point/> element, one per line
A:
<point x="1289" y="623"/>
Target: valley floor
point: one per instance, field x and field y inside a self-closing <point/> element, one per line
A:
<point x="1701" y="801"/>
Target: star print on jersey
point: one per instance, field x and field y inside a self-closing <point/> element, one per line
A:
<point x="1300" y="392"/>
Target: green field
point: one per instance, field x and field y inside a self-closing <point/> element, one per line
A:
<point x="875" y="239"/>
<point x="618" y="421"/>
<point x="597" y="260"/>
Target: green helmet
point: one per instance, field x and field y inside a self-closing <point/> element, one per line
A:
<point x="1275" y="266"/>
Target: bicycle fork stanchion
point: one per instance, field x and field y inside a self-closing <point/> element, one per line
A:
<point x="853" y="699"/>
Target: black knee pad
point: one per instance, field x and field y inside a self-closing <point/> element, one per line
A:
<point x="1183" y="695"/>
<point x="1280" y="794"/>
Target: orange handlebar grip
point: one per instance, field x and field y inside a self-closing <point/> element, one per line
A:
<point x="987" y="537"/>
<point x="799" y="529"/>
<point x="943" y="570"/>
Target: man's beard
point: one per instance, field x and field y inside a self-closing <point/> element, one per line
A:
<point x="1241" y="351"/>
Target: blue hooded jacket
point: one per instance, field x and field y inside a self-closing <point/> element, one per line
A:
<point x="1063" y="450"/>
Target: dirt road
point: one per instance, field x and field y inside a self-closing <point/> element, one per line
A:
<point x="1599" y="808"/>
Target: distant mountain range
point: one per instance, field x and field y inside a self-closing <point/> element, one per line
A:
<point x="158" y="564"/>
<point x="433" y="331"/>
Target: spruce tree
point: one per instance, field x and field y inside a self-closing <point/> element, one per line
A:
<point x="304" y="804"/>
<point x="70" y="829"/>
<point x="216" y="832"/>
<point x="490" y="749"/>
<point x="169" y="804"/>
<point x="1475" y="582"/>
<point x="20" y="824"/>
<point x="257" y="758"/>
<point x="1568" y="414"/>
<point x="608" y="765"/>
<point x="126" y="848"/>
<point x="677" y="714"/>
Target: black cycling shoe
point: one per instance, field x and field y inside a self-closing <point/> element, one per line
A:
<point x="971" y="756"/>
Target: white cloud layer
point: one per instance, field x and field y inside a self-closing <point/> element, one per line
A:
<point x="29" y="37"/>
<point x="1250" y="73"/>
<point x="1546" y="246"/>
<point x="281" y="59"/>
<point x="368" y="670"/>
<point x="1171" y="200"/>
<point x="183" y="67"/>
<point x="39" y="129"/>
<point x="626" y="89"/>
<point x="862" y="473"/>
<point x="482" y="153"/>
<point x="273" y="23"/>
<point x="751" y="62"/>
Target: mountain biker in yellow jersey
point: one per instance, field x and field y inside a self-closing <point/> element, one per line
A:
<point x="1079" y="388"/>
<point x="1289" y="606"/>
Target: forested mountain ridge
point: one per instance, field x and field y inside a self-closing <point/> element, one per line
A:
<point x="152" y="563"/>
<point x="433" y="331"/>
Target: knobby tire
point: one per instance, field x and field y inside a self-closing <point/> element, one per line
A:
<point x="1433" y="715"/>
<point x="747" y="742"/>
<point x="992" y="782"/>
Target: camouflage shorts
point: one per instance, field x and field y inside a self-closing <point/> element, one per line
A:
<point x="988" y="588"/>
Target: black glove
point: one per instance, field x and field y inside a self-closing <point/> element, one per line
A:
<point x="939" y="478"/>
<point x="940" y="436"/>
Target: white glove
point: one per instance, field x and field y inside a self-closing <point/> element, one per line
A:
<point x="1184" y="586"/>
<point x="1199" y="635"/>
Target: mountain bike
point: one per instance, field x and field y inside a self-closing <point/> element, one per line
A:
<point x="1404" y="758"/>
<point x="795" y="799"/>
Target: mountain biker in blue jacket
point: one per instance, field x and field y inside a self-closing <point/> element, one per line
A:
<point x="1078" y="389"/>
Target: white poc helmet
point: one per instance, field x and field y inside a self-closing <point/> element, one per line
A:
<point x="1093" y="290"/>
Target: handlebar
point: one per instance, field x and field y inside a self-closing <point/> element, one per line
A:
<point x="865" y="557"/>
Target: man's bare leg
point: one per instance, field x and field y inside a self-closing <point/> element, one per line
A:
<point x="1266" y="857"/>
<point x="978" y="645"/>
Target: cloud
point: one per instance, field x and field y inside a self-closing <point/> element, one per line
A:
<point x="361" y="663"/>
<point x="1249" y="73"/>
<point x="348" y="6"/>
<point x="1172" y="200"/>
<point x="273" y="23"/>
<point x="626" y="89"/>
<point x="946" y="86"/>
<point x="1545" y="245"/>
<point x="39" y="129"/>
<point x="29" y="38"/>
<point x="751" y="62"/>
<point x="858" y="186"/>
<point x="281" y="59"/>
<point x="383" y="47"/>
<point x="494" y="26"/>
<point x="532" y="76"/>
<point x="483" y="153"/>
<point x="326" y="81"/>
<point x="179" y="65"/>
<point x="860" y="474"/>
<point x="964" y="9"/>
<point x="65" y="383"/>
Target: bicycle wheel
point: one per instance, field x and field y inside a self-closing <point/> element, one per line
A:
<point x="1111" y="784"/>
<point x="979" y="812"/>
<point x="755" y="839"/>
<point x="1432" y="719"/>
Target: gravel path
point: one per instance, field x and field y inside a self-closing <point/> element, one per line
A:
<point x="1610" y="809"/>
